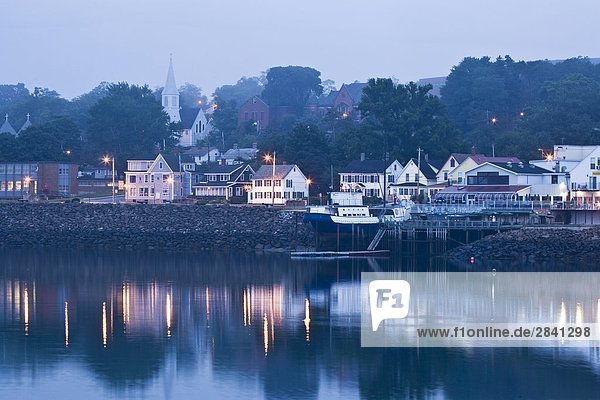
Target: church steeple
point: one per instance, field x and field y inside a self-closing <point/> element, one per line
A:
<point x="170" y="95"/>
<point x="26" y="125"/>
<point x="7" y="127"/>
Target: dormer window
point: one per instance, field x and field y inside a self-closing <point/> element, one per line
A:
<point x="160" y="165"/>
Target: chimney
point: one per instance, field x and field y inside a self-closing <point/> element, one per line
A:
<point x="520" y="164"/>
<point x="473" y="150"/>
<point x="362" y="156"/>
<point x="254" y="145"/>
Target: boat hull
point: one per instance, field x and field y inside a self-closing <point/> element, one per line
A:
<point x="332" y="224"/>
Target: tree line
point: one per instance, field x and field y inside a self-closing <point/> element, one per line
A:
<point x="516" y="107"/>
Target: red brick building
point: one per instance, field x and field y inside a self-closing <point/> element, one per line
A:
<point x="36" y="179"/>
<point x="254" y="111"/>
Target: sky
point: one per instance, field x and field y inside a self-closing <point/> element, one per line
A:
<point x="72" y="45"/>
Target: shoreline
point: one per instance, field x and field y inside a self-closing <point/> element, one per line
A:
<point x="534" y="244"/>
<point x="150" y="227"/>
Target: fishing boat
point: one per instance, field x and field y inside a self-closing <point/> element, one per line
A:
<point x="345" y="214"/>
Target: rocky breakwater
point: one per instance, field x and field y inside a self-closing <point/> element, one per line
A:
<point x="534" y="244"/>
<point x="169" y="227"/>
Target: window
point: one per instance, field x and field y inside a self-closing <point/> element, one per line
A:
<point x="238" y="191"/>
<point x="416" y="177"/>
<point x="267" y="182"/>
<point x="445" y="176"/>
<point x="258" y="183"/>
<point x="554" y="179"/>
<point x="246" y="116"/>
<point x="152" y="178"/>
<point x="593" y="163"/>
<point x="407" y="177"/>
<point x="488" y="178"/>
<point x="288" y="183"/>
<point x="160" y="165"/>
<point x="146" y="178"/>
<point x="132" y="178"/>
<point x="452" y="163"/>
<point x="278" y="182"/>
<point x="390" y="178"/>
<point x="212" y="178"/>
<point x="63" y="171"/>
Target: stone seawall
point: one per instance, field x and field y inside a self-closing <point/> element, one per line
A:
<point x="176" y="228"/>
<point x="535" y="244"/>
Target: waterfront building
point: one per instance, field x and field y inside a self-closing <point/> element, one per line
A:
<point x="278" y="187"/>
<point x="229" y="182"/>
<point x="413" y="181"/>
<point x="457" y="175"/>
<point x="453" y="161"/>
<point x="501" y="182"/>
<point x="156" y="180"/>
<point x="34" y="180"/>
<point x="581" y="164"/>
<point x="366" y="176"/>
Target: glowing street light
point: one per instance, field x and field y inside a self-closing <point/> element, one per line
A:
<point x="493" y="120"/>
<point x="106" y="159"/>
<point x="268" y="158"/>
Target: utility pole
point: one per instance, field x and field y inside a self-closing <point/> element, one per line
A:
<point x="419" y="150"/>
<point x="273" y="182"/>
<point x="386" y="157"/>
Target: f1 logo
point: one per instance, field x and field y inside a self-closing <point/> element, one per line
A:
<point x="389" y="299"/>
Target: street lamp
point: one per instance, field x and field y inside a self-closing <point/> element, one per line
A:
<point x="308" y="183"/>
<point x="27" y="183"/>
<point x="106" y="159"/>
<point x="268" y="158"/>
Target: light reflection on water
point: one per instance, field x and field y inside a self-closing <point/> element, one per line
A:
<point x="101" y="325"/>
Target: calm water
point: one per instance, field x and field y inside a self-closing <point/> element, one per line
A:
<point x="96" y="325"/>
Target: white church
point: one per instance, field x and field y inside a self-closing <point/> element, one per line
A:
<point x="195" y="124"/>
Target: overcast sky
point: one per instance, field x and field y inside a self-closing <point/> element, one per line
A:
<point x="72" y="45"/>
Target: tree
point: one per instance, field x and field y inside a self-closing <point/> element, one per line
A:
<point x="406" y="117"/>
<point x="81" y="105"/>
<point x="239" y="93"/>
<point x="129" y="122"/>
<point x="9" y="147"/>
<point x="190" y="96"/>
<point x="291" y="86"/>
<point x="306" y="146"/>
<point x="11" y="95"/>
<point x="568" y="110"/>
<point x="56" y="140"/>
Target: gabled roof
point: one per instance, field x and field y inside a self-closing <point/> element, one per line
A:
<point x="251" y="99"/>
<point x="266" y="171"/>
<point x="7" y="127"/>
<point x="480" y="159"/>
<point x="224" y="169"/>
<point x="521" y="168"/>
<point x="426" y="168"/>
<point x="170" y="86"/>
<point x="355" y="90"/>
<point x="243" y="153"/>
<point x="26" y="125"/>
<point x="172" y="161"/>
<point x="198" y="151"/>
<point x="364" y="167"/>
<point x="460" y="157"/>
<point x="188" y="117"/>
<point x="327" y="101"/>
